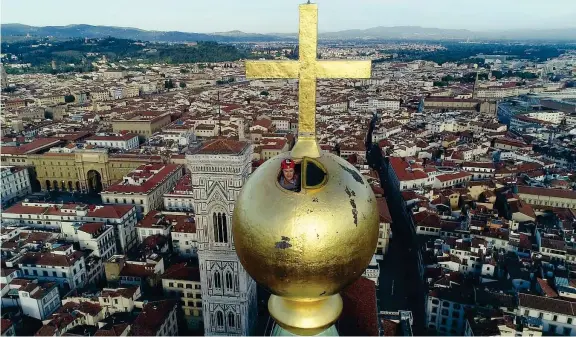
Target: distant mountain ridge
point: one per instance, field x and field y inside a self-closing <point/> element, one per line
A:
<point x="398" y="32"/>
<point x="81" y="31"/>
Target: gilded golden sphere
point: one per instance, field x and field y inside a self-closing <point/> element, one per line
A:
<point x="308" y="244"/>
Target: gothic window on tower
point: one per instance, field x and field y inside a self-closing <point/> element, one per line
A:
<point x="219" y="319"/>
<point x="217" y="280"/>
<point x="231" y="320"/>
<point x="220" y="227"/>
<point x="229" y="284"/>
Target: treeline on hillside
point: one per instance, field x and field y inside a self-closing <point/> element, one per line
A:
<point x="464" y="52"/>
<point x="40" y="54"/>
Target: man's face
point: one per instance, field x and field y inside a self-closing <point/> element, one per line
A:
<point x="288" y="173"/>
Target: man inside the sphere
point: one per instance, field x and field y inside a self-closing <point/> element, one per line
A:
<point x="289" y="179"/>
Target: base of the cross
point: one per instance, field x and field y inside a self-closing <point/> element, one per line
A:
<point x="306" y="147"/>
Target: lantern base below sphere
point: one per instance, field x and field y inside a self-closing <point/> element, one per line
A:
<point x="305" y="317"/>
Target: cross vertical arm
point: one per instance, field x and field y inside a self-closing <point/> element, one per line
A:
<point x="307" y="46"/>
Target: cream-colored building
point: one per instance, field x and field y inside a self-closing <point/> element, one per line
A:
<point x="84" y="170"/>
<point x="538" y="196"/>
<point x="100" y="95"/>
<point x="183" y="282"/>
<point x="143" y="125"/>
<point x="144" y="187"/>
<point x="384" y="231"/>
<point x="50" y="100"/>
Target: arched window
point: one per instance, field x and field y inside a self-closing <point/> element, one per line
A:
<point x="224" y="229"/>
<point x="220" y="227"/>
<point x="219" y="319"/>
<point x="231" y="320"/>
<point x="229" y="283"/>
<point x="217" y="280"/>
<point x="215" y="224"/>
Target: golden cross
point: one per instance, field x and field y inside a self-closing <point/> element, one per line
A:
<point x="307" y="69"/>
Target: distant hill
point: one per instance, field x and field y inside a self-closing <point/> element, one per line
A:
<point x="399" y="32"/>
<point x="81" y="31"/>
<point x="422" y="33"/>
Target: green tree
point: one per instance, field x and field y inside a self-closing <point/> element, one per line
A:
<point x="69" y="98"/>
<point x="264" y="93"/>
<point x="182" y="85"/>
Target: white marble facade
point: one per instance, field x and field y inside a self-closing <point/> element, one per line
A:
<point x="228" y="292"/>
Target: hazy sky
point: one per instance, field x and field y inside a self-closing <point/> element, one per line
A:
<point x="264" y="16"/>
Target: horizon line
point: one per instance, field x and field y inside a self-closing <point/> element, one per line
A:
<point x="320" y="32"/>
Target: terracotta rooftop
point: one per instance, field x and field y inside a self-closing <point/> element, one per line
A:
<point x="50" y="259"/>
<point x="157" y="174"/>
<point x="548" y="192"/>
<point x="547" y="304"/>
<point x="32" y="147"/>
<point x="153" y="315"/>
<point x="383" y="210"/>
<point x="182" y="271"/>
<point x="359" y="315"/>
<point x="222" y="146"/>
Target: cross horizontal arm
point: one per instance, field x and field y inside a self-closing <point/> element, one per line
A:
<point x="272" y="69"/>
<point x="343" y="69"/>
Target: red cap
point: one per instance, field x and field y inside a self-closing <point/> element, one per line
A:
<point x="287" y="163"/>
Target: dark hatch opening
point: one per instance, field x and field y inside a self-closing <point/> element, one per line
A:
<point x="315" y="175"/>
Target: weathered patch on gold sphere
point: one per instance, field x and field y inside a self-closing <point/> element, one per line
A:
<point x="308" y="244"/>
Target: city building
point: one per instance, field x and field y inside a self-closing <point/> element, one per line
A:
<point x="157" y="319"/>
<point x="181" y="197"/>
<point x="143" y="124"/>
<point x="144" y="187"/>
<point x="95" y="236"/>
<point x="539" y="196"/>
<point x="125" y="142"/>
<point x="182" y="282"/>
<point x="15" y="183"/>
<point x="35" y="299"/>
<point x="558" y="316"/>
<point x="408" y="174"/>
<point x="62" y="265"/>
<point x="85" y="170"/>
<point x="385" y="230"/>
<point x="60" y="217"/>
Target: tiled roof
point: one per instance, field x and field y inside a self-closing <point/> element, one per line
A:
<point x="359" y="315"/>
<point x="547" y="304"/>
<point x="453" y="176"/>
<point x="50" y="259"/>
<point x="153" y="315"/>
<point x="222" y="146"/>
<point x="154" y="179"/>
<point x="548" y="192"/>
<point x="403" y="170"/>
<point x="383" y="210"/>
<point x="31" y="147"/>
<point x="182" y="271"/>
<point x="92" y="227"/>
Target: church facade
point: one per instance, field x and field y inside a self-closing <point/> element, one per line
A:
<point x="219" y="169"/>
